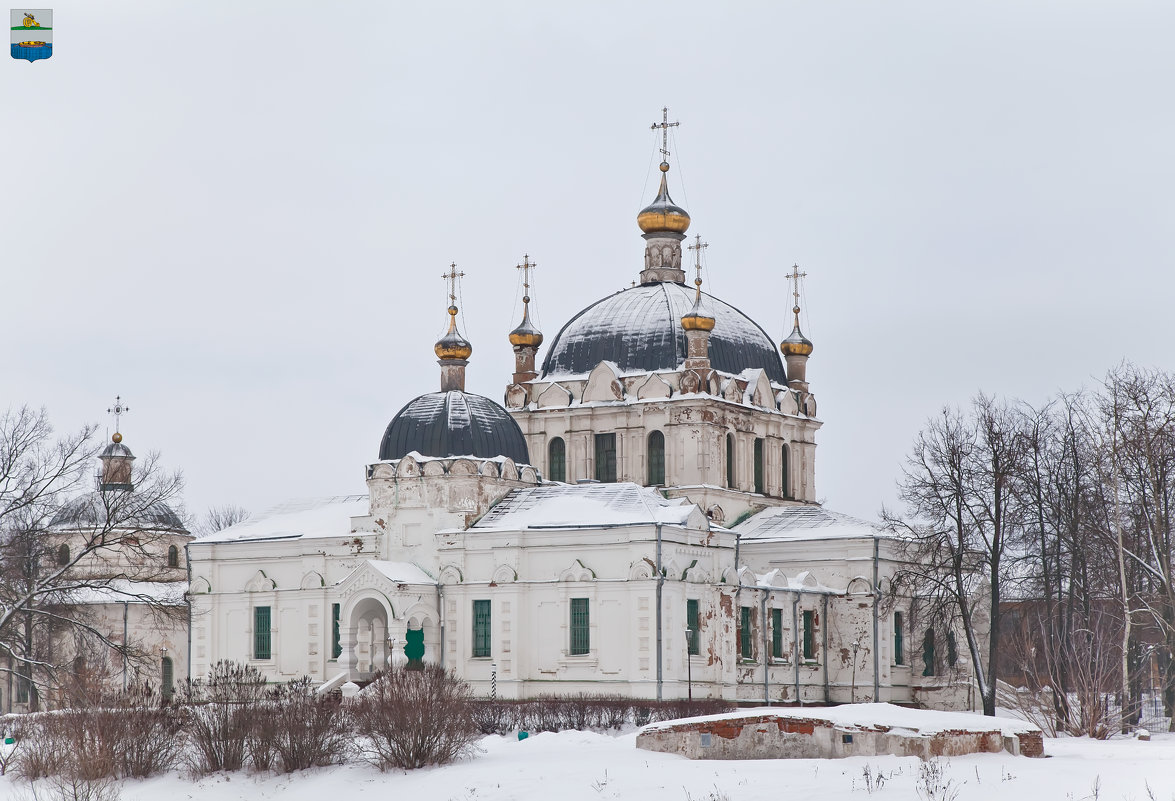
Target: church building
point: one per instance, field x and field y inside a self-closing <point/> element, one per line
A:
<point x="638" y="517"/>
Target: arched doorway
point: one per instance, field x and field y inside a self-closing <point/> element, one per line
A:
<point x="363" y="635"/>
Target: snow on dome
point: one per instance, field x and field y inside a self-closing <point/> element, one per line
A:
<point x="640" y="330"/>
<point x="454" y="424"/>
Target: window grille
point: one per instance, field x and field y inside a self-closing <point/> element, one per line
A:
<point x="580" y="632"/>
<point x="656" y="459"/>
<point x="481" y="629"/>
<point x="692" y="622"/>
<point x="746" y="642"/>
<point x="557" y="460"/>
<point x="261" y="638"/>
<point x="606" y="458"/>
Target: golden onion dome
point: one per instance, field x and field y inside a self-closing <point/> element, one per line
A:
<point x="526" y="334"/>
<point x="663" y="215"/>
<point x="696" y="319"/>
<point x="452" y="345"/>
<point x="796" y="343"/>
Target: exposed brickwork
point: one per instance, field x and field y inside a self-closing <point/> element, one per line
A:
<point x="1032" y="745"/>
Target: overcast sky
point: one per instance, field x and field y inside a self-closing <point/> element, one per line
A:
<point x="236" y="215"/>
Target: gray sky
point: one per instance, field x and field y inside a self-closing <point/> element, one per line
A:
<point x="237" y="214"/>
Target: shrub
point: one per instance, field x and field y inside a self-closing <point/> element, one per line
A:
<point x="224" y="711"/>
<point x="309" y="729"/>
<point x="413" y="718"/>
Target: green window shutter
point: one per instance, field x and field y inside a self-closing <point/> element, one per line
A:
<point x="557" y="460"/>
<point x="692" y="622"/>
<point x="809" y="635"/>
<point x="481" y="629"/>
<point x="606" y="458"/>
<point x="777" y="633"/>
<point x="759" y="466"/>
<point x="336" y="644"/>
<point x="899" y="656"/>
<point x="746" y="642"/>
<point x="580" y="632"/>
<point x="656" y="459"/>
<point x="261" y="639"/>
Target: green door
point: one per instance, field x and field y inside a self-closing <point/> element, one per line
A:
<point x="414" y="648"/>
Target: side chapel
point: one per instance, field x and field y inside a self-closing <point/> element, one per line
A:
<point x="638" y="518"/>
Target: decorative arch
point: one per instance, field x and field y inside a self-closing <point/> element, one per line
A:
<point x="577" y="571"/>
<point x="463" y="467"/>
<point x="787" y="402"/>
<point x="529" y="475"/>
<point x="451" y="574"/>
<point x="313" y="581"/>
<point x="515" y="396"/>
<point x="603" y="383"/>
<point x="407" y="466"/>
<point x="433" y="467"/>
<point x="859" y="585"/>
<point x="509" y="469"/>
<point x="642" y="569"/>
<point x="504" y="574"/>
<point x="200" y="586"/>
<point x="488" y="468"/>
<point x="654" y="387"/>
<point x="554" y="395"/>
<point x="260" y="583"/>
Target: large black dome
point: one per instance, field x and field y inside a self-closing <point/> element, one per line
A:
<point x="454" y="424"/>
<point x="640" y="329"/>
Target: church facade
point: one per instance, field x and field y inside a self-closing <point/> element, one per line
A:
<point x="638" y="517"/>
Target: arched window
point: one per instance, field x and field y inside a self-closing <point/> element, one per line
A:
<point x="173" y="556"/>
<point x="63" y="554"/>
<point x="557" y="460"/>
<point x="928" y="653"/>
<point x="167" y="679"/>
<point x="899" y="640"/>
<point x="730" y="460"/>
<point x="656" y="459"/>
<point x="759" y="466"/>
<point x="785" y="487"/>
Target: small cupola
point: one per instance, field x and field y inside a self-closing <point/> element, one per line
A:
<point x="116" y="458"/>
<point x="796" y="348"/>
<point x="452" y="349"/>
<point x="526" y="338"/>
<point x="663" y="223"/>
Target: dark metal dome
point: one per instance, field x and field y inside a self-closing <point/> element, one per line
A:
<point x="454" y="424"/>
<point x="124" y="510"/>
<point x="640" y="329"/>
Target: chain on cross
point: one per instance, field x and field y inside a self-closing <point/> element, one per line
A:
<point x="526" y="266"/>
<point x="665" y="125"/>
<point x="794" y="276"/>
<point x="452" y="277"/>
<point x="697" y="248"/>
<point x="118" y="410"/>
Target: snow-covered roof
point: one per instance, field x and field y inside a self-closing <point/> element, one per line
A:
<point x="301" y="519"/>
<point x="871" y="716"/>
<point x="125" y="591"/>
<point x="804" y="522"/>
<point x="584" y="505"/>
<point x="401" y="572"/>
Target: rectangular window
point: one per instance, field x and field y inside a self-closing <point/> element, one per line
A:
<point x="336" y="644"/>
<point x="746" y="643"/>
<point x="759" y="466"/>
<point x="261" y="640"/>
<point x="809" y="634"/>
<point x="692" y="622"/>
<point x="606" y="458"/>
<point x="777" y="634"/>
<point x="580" y="633"/>
<point x="899" y="645"/>
<point x="481" y="629"/>
<point x="730" y="460"/>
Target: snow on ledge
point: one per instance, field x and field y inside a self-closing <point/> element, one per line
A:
<point x="867" y="717"/>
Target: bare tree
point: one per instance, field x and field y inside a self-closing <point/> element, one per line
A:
<point x="218" y="518"/>
<point x="61" y="553"/>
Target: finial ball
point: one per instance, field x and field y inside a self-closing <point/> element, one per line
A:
<point x="452" y="310"/>
<point x="117" y="437"/>
<point x="664" y="166"/>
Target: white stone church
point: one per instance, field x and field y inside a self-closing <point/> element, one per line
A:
<point x="639" y="518"/>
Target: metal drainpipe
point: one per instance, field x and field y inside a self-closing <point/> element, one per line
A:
<point x="766" y="651"/>
<point x="441" y="624"/>
<point x="795" y="627"/>
<point x="876" y="632"/>
<point x="125" y="613"/>
<point x="660" y="583"/>
<point x="824" y="638"/>
<point x="188" y="600"/>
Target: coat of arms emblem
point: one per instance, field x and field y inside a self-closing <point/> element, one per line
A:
<point x="32" y="33"/>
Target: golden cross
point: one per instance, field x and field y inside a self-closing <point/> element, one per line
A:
<point x="665" y="125"/>
<point x="794" y="276"/>
<point x="452" y="277"/>
<point x="118" y="410"/>
<point x="526" y="266"/>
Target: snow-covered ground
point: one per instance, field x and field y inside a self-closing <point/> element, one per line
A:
<point x="570" y="766"/>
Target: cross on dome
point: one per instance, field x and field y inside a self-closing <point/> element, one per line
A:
<point x="118" y="410"/>
<point x="452" y="277"/>
<point x="665" y="125"/>
<point x="697" y="248"/>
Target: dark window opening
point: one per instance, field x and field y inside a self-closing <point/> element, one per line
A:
<point x="261" y="638"/>
<point x="557" y="460"/>
<point x="63" y="555"/>
<point x="777" y="634"/>
<point x="692" y="622"/>
<point x="899" y="653"/>
<point x="928" y="653"/>
<point x="656" y="459"/>
<point x="730" y="460"/>
<point x="481" y="629"/>
<point x="173" y="556"/>
<point x="785" y="490"/>
<point x="606" y="458"/>
<point x="759" y="466"/>
<point x="746" y="642"/>
<point x="809" y="634"/>
<point x="580" y="630"/>
<point x="952" y="649"/>
<point x="336" y="643"/>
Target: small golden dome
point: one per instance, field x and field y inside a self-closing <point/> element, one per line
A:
<point x="452" y="345"/>
<point x="117" y="437"/>
<point x="796" y="343"/>
<point x="526" y="334"/>
<point x="663" y="215"/>
<point x="697" y="322"/>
